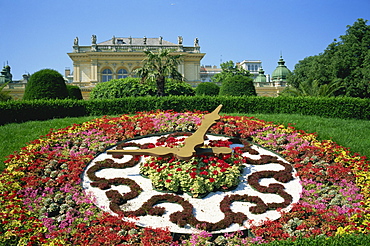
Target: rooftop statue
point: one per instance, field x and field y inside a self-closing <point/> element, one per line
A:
<point x="75" y="42"/>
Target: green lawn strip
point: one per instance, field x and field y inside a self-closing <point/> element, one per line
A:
<point x="16" y="135"/>
<point x="350" y="133"/>
<point x="344" y="240"/>
<point x="353" y="134"/>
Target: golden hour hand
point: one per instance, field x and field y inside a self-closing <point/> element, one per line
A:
<point x="192" y="144"/>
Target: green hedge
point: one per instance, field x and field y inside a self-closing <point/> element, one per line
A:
<point x="344" y="240"/>
<point x="20" y="111"/>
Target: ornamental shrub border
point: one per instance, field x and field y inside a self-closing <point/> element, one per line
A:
<point x="42" y="201"/>
<point x="343" y="107"/>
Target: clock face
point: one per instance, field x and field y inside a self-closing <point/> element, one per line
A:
<point x="267" y="184"/>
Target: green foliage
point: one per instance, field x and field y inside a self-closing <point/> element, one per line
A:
<point x="331" y="107"/>
<point x="347" y="60"/>
<point x="133" y="87"/>
<point x="312" y="88"/>
<point x="46" y="84"/>
<point x="118" y="88"/>
<point x="345" y="240"/>
<point x="4" y="95"/>
<point x="74" y="92"/>
<point x="229" y="69"/>
<point x="207" y="89"/>
<point x="159" y="66"/>
<point x="238" y="85"/>
<point x="178" y="88"/>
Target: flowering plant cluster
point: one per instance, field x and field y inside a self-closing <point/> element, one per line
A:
<point x="42" y="201"/>
<point x="197" y="176"/>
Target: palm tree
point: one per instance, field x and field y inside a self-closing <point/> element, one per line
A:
<point x="313" y="88"/>
<point x="4" y="95"/>
<point x="159" y="66"/>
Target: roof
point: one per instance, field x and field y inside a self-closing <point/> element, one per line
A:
<point x="136" y="41"/>
<point x="261" y="77"/>
<point x="281" y="71"/>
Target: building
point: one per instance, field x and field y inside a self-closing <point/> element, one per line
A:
<point x="279" y="75"/>
<point x="207" y="72"/>
<point x="5" y="75"/>
<point x="252" y="66"/>
<point x="118" y="58"/>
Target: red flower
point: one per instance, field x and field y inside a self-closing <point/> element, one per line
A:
<point x="168" y="180"/>
<point x="211" y="180"/>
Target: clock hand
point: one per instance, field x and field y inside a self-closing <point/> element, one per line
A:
<point x="213" y="151"/>
<point x="158" y="151"/>
<point x="197" y="138"/>
<point x="190" y="144"/>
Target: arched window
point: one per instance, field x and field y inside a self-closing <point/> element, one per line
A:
<point x="107" y="75"/>
<point x="122" y="73"/>
<point x="249" y="67"/>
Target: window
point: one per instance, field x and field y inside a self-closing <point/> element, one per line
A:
<point x="106" y="75"/>
<point x="122" y="73"/>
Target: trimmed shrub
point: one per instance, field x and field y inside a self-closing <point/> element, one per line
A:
<point x="74" y="92"/>
<point x="207" y="89"/>
<point x="178" y="88"/>
<point x="118" y="88"/>
<point x="344" y="107"/>
<point x="238" y="85"/>
<point x="46" y="84"/>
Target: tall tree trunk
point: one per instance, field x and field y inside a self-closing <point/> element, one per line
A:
<point x="160" y="86"/>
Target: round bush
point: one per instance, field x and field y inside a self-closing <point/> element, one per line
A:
<point x="74" y="92"/>
<point x="207" y="89"/>
<point x="46" y="84"/>
<point x="178" y="88"/>
<point x="118" y="88"/>
<point x="238" y="85"/>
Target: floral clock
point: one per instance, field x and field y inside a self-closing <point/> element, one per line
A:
<point x="71" y="187"/>
<point x="236" y="189"/>
<point x="217" y="180"/>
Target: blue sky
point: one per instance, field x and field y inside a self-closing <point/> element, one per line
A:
<point x="38" y="34"/>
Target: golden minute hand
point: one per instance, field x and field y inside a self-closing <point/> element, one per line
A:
<point x="196" y="140"/>
<point x="158" y="151"/>
<point x="188" y="150"/>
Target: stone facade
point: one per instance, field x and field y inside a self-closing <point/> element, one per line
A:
<point x="119" y="57"/>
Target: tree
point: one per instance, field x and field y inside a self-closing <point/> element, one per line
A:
<point x="178" y="88"/>
<point x="238" y="85"/>
<point x="4" y="95"/>
<point x="45" y="84"/>
<point x="118" y="88"/>
<point x="74" y="92"/>
<point x="313" y="88"/>
<point x="346" y="60"/>
<point x="208" y="89"/>
<point x="229" y="69"/>
<point x="159" y="66"/>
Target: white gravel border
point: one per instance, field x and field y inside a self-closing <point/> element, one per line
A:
<point x="206" y="209"/>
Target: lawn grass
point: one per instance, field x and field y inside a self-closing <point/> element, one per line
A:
<point x="350" y="133"/>
<point x="14" y="136"/>
<point x="354" y="134"/>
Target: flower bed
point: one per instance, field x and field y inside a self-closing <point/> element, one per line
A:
<point x="42" y="200"/>
<point x="117" y="188"/>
